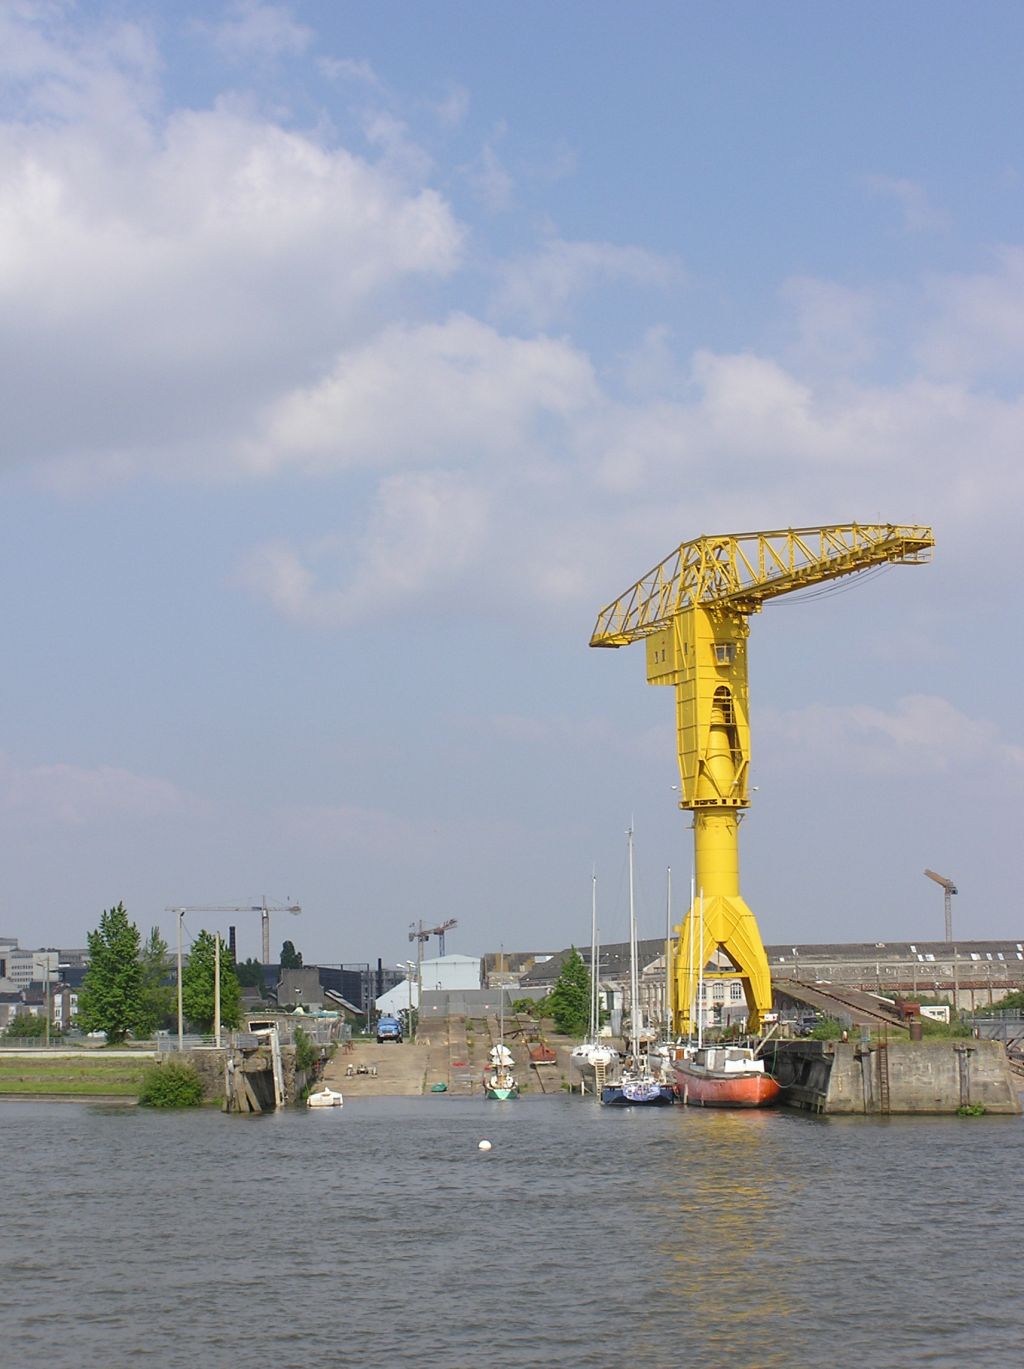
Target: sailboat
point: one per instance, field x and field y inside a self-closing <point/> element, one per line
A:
<point x="638" y="1085"/>
<point x="499" y="1081"/>
<point x="593" y="1055"/>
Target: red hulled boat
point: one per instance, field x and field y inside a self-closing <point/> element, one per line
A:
<point x="723" y="1076"/>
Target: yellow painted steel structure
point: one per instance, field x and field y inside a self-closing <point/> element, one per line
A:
<point x="692" y="609"/>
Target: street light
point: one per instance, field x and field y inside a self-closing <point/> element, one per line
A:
<point x="410" y="968"/>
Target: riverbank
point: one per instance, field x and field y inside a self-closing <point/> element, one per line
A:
<point x="72" y="1075"/>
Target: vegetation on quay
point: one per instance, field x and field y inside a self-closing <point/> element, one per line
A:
<point x="173" y="1084"/>
<point x="87" y="1075"/>
<point x="568" y="1003"/>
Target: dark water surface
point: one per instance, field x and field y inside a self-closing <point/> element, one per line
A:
<point x="378" y="1234"/>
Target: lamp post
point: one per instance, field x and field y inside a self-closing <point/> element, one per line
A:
<point x="409" y="969"/>
<point x="181" y="1016"/>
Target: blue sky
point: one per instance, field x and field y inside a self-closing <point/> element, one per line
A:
<point x="356" y="355"/>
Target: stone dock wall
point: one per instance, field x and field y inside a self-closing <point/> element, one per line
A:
<point x="938" y="1076"/>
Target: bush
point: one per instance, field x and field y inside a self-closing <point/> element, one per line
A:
<point x="173" y="1085"/>
<point x="828" y="1029"/>
<point x="306" y="1053"/>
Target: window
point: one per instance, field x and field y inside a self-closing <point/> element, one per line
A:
<point x="736" y="991"/>
<point x="725" y="653"/>
<point x="718" y="991"/>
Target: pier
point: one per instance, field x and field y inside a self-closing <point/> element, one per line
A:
<point x="877" y="1077"/>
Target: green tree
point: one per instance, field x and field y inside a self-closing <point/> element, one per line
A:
<point x="569" y="1001"/>
<point x="28" y="1026"/>
<point x="111" y="997"/>
<point x="159" y="997"/>
<point x="250" y="975"/>
<point x="291" y="959"/>
<point x="197" y="982"/>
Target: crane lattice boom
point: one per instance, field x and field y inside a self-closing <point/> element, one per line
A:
<point x="742" y="570"/>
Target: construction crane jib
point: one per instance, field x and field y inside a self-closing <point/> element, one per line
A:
<point x="948" y="889"/>
<point x="263" y="908"/>
<point x="692" y="609"/>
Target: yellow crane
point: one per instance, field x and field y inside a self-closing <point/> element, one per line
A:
<point x="693" y="610"/>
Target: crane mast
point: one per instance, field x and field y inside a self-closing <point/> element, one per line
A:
<point x="692" y="610"/>
<point x="948" y="889"/>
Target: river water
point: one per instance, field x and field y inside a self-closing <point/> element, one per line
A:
<point x="379" y="1234"/>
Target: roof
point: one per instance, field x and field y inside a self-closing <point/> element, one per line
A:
<point x="613" y="960"/>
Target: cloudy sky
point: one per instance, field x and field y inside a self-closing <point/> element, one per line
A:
<point x="354" y="355"/>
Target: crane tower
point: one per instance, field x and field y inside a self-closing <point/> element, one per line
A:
<point x="693" y="610"/>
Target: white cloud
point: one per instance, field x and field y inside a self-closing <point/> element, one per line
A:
<point x="835" y="326"/>
<point x="76" y="796"/>
<point x="450" y="392"/>
<point x="349" y="69"/>
<point x="452" y="109"/>
<point x="919" y="214"/>
<point x="489" y="178"/>
<point x="923" y="735"/>
<point x="256" y="248"/>
<point x="425" y="529"/>
<point x="257" y="30"/>
<point x="977" y="324"/>
<point x="538" y="288"/>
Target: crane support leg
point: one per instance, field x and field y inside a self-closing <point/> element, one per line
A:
<point x="728" y="925"/>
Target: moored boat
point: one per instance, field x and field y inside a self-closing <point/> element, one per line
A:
<point x="724" y="1076"/>
<point x="499" y="1081"/>
<point x="640" y="1090"/>
<point x="638" y="1085"/>
<point x="325" y="1098"/>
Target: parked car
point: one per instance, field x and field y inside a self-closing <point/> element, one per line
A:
<point x="389" y="1029"/>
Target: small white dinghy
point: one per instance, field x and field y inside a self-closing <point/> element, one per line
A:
<point x="325" y="1098"/>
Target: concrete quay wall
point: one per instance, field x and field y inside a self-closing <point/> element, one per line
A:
<point x="854" y="1077"/>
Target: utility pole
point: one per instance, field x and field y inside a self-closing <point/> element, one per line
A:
<point x="216" y="989"/>
<point x="181" y="1016"/>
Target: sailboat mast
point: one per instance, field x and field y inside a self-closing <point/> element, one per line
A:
<point x="700" y="978"/>
<point x="593" y="957"/>
<point x="692" y="985"/>
<point x="634" y="979"/>
<point x="667" y="1014"/>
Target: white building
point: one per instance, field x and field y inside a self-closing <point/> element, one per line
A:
<point x="398" y="999"/>
<point x="450" y="973"/>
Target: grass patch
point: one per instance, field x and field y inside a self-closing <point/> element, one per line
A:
<point x="63" y="1076"/>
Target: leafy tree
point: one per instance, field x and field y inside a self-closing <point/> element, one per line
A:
<point x="569" y="1000"/>
<point x="250" y="975"/>
<point x="159" y="998"/>
<point x="197" y="984"/>
<point x="174" y="1084"/>
<point x="291" y="959"/>
<point x="111" y="997"/>
<point x="28" y="1026"/>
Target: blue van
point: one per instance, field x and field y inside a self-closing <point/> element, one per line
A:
<point x="389" y="1029"/>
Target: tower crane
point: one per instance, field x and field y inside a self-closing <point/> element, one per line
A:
<point x="693" y="609"/>
<point x="263" y="908"/>
<point x="422" y="934"/>
<point x="949" y="889"/>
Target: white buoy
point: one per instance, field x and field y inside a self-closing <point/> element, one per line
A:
<point x="484" y="1145"/>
